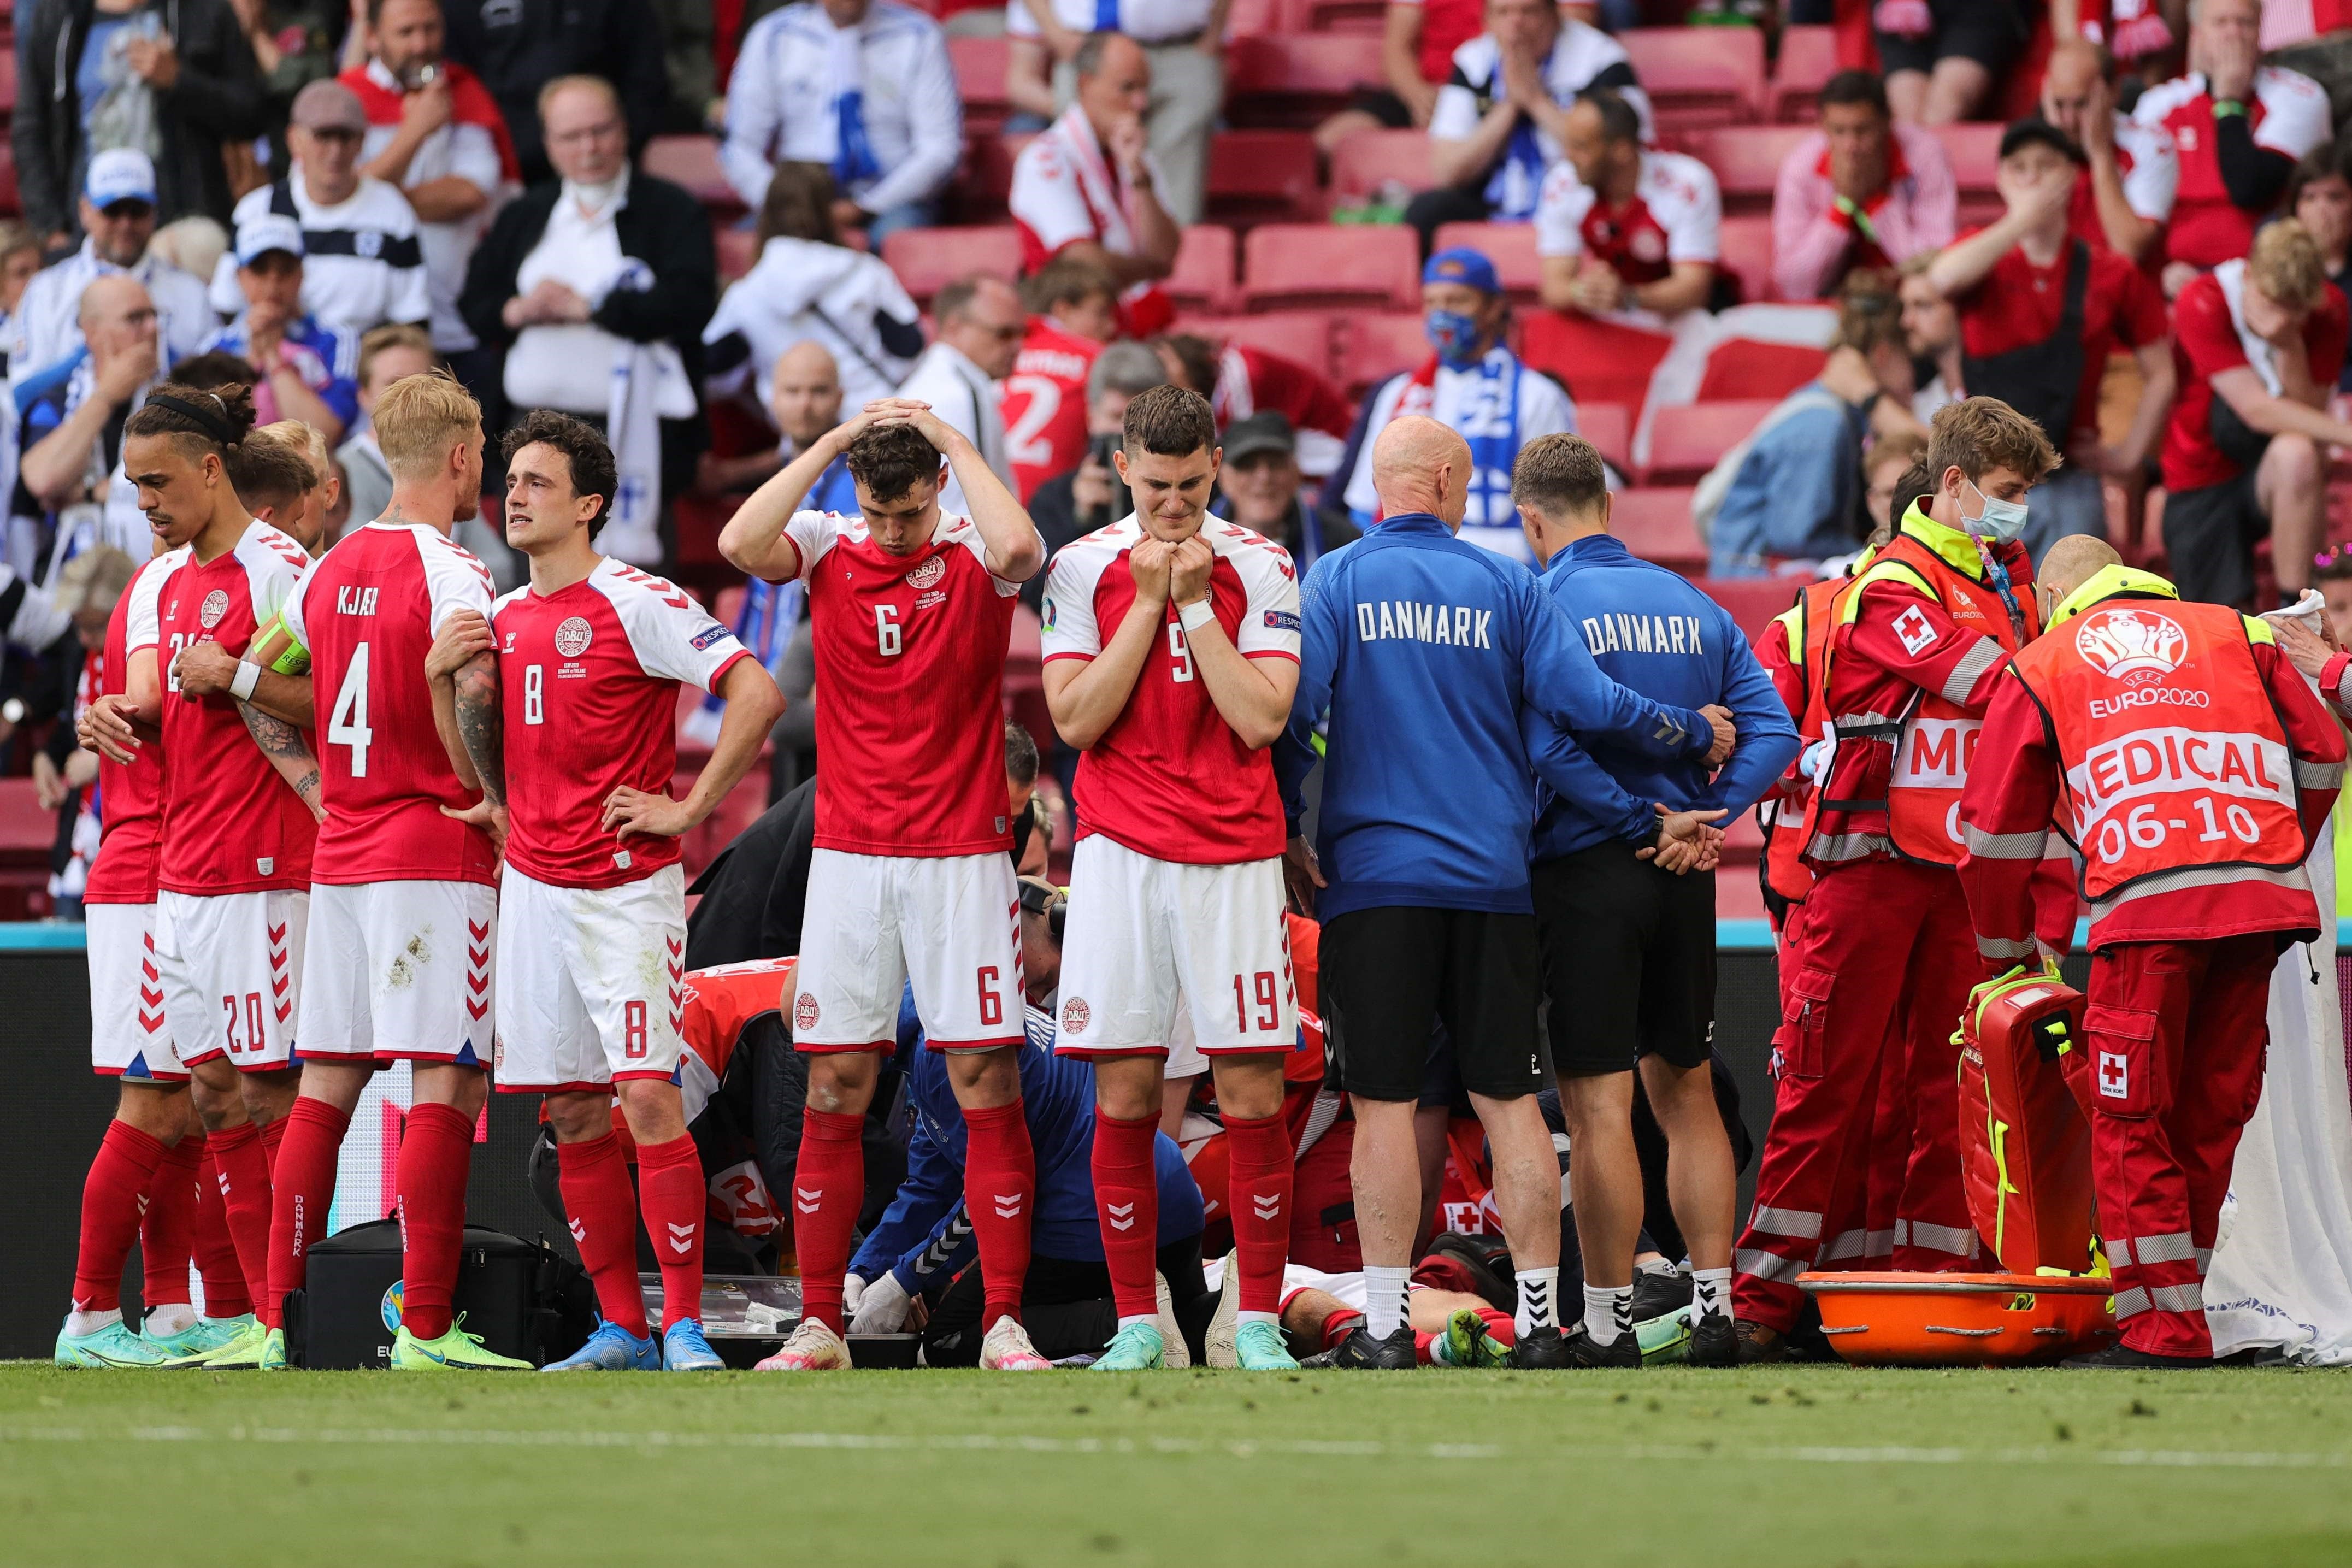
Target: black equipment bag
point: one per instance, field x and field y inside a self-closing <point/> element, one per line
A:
<point x="525" y="1299"/>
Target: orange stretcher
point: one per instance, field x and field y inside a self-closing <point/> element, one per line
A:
<point x="1962" y="1320"/>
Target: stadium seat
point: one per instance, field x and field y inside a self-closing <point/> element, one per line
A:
<point x="1203" y="279"/>
<point x="1303" y="336"/>
<point x="1748" y="367"/>
<point x="1371" y="159"/>
<point x="1974" y="150"/>
<point x="12" y="204"/>
<point x="1373" y="345"/>
<point x="980" y="79"/>
<point x="1747" y="161"/>
<point x="1263" y="176"/>
<point x="1808" y="59"/>
<point x="1292" y="81"/>
<point x="738" y="249"/>
<point x="928" y="260"/>
<point x="1656" y="524"/>
<point x="697" y="520"/>
<point x="1752" y="601"/>
<point x="1746" y="247"/>
<point x="1602" y="360"/>
<point x="1609" y="428"/>
<point x="692" y="161"/>
<point x="1255" y="18"/>
<point x="1698" y="77"/>
<point x="1511" y="246"/>
<point x="8" y="82"/>
<point x="1288" y="264"/>
<point x="1341" y="16"/>
<point x="1685" y="442"/>
<point x="987" y="184"/>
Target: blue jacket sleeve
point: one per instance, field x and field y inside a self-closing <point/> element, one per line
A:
<point x="1568" y="771"/>
<point x="1804" y="499"/>
<point x="925" y="1202"/>
<point x="1768" y="740"/>
<point x="1318" y="656"/>
<point x="1560" y="681"/>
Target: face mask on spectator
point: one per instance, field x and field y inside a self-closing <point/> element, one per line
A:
<point x="2002" y="520"/>
<point x="1454" y="336"/>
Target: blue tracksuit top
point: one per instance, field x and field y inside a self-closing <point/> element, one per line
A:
<point x="1652" y="630"/>
<point x="925" y="1231"/>
<point x="1421" y="650"/>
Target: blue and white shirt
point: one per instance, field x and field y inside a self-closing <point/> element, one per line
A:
<point x="328" y="361"/>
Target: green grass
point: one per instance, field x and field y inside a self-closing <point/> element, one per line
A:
<point x="1815" y="1466"/>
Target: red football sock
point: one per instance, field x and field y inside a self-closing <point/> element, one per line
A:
<point x="1259" y="1178"/>
<point x="828" y="1189"/>
<point x="224" y="1292"/>
<point x="1000" y="1179"/>
<point x="112" y="1197"/>
<point x="165" y="1231"/>
<point x="245" y="1195"/>
<point x="1339" y="1325"/>
<point x="436" y="1146"/>
<point x="1500" y="1326"/>
<point x="670" y="1192"/>
<point x="594" y="1180"/>
<point x="1127" y="1208"/>
<point x="272" y="1136"/>
<point x="301" y="1190"/>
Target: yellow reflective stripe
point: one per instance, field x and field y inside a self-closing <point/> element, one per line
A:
<point x="1882" y="572"/>
<point x="2258" y="630"/>
<point x="1792" y="627"/>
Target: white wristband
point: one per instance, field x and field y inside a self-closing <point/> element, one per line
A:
<point x="1196" y="615"/>
<point x="241" y="684"/>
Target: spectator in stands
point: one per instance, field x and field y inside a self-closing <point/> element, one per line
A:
<point x="387" y="355"/>
<point x="1865" y="193"/>
<point x="806" y="402"/>
<point x="1931" y="330"/>
<point x="1796" y="492"/>
<point x="434" y="135"/>
<point x="2260" y="342"/>
<point x="2130" y="174"/>
<point x="863" y="87"/>
<point x="295" y="43"/>
<point x="1944" y="57"/>
<point x="1075" y="504"/>
<point x="1623" y="228"/>
<point x="169" y="79"/>
<point x="2241" y="128"/>
<point x="1073" y="309"/>
<point x="1501" y="119"/>
<point x="117" y="216"/>
<point x="1089" y="185"/>
<point x="1883" y="472"/>
<point x="363" y="264"/>
<point x="1417" y="44"/>
<point x="1239" y="381"/>
<point x="306" y="370"/>
<point x="1180" y="85"/>
<point x="596" y="286"/>
<point x="519" y="47"/>
<point x="809" y="287"/>
<point x="20" y="259"/>
<point x="70" y="420"/>
<point x="2320" y="198"/>
<point x="2041" y="311"/>
<point x="87" y="590"/>
<point x="1473" y="384"/>
<point x="980" y="328"/>
<point x="1260" y="481"/>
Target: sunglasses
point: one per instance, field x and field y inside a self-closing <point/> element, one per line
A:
<point x="127" y="211"/>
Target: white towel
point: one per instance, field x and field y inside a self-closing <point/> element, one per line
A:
<point x="649" y="385"/>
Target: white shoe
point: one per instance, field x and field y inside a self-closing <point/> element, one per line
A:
<point x="1171" y="1338"/>
<point x="813" y="1347"/>
<point x="1221" y="1350"/>
<point x="1007" y="1348"/>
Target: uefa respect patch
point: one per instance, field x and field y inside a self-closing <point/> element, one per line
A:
<point x="712" y="638"/>
<point x="1282" y="620"/>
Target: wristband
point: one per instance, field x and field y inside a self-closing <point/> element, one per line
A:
<point x="241" y="684"/>
<point x="2224" y="108"/>
<point x="1196" y="615"/>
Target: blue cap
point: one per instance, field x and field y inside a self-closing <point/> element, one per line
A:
<point x="120" y="174"/>
<point x="1463" y="264"/>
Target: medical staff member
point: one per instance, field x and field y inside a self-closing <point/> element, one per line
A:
<point x="1473" y="385"/>
<point x="1627" y="918"/>
<point x="1423" y="651"/>
<point x="2191" y="769"/>
<point x="1881" y="963"/>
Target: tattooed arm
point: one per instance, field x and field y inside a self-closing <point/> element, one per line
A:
<point x="288" y="752"/>
<point x="480" y="726"/>
<point x="460" y="649"/>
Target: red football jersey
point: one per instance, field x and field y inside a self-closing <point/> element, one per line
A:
<point x="130" y="797"/>
<point x="1169" y="778"/>
<point x="2289" y="116"/>
<point x="1045" y="405"/>
<point x="588" y="678"/>
<point x="1252" y="380"/>
<point x="367" y="611"/>
<point x="230" y="824"/>
<point x="911" y="658"/>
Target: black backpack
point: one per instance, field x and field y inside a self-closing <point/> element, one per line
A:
<point x="522" y="1298"/>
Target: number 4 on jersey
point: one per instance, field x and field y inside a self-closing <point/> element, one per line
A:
<point x="348" y="724"/>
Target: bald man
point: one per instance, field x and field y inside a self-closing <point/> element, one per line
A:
<point x="2124" y="193"/>
<point x="71" y="420"/>
<point x="1422" y="652"/>
<point x="2191" y="770"/>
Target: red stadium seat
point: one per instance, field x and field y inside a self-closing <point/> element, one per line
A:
<point x="1203" y="279"/>
<point x="928" y="260"/>
<point x="1752" y="601"/>
<point x="1374" y="345"/>
<point x="1293" y="81"/>
<point x="697" y="520"/>
<point x="987" y="184"/>
<point x="1747" y="161"/>
<point x="1371" y="159"/>
<point x="1511" y="246"/>
<point x="1288" y="264"/>
<point x="1685" y="442"/>
<point x="1263" y="176"/>
<point x="8" y="82"/>
<point x="1975" y="152"/>
<point x="1609" y="428"/>
<point x="691" y="162"/>
<point x="1808" y="59"/>
<point x="979" y="79"/>
<point x="1747" y="254"/>
<point x="11" y="204"/>
<point x="1699" y="77"/>
<point x="1303" y="336"/>
<point x="1341" y="16"/>
<point x="1655" y="525"/>
<point x="738" y="249"/>
<point x="1255" y="18"/>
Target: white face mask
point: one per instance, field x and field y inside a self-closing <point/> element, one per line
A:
<point x="2002" y="520"/>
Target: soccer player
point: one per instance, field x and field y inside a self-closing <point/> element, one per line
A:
<point x="240" y="799"/>
<point x="591" y="948"/>
<point x="1171" y="652"/>
<point x="910" y="879"/>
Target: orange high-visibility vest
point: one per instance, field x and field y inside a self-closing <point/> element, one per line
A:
<point x="1809" y="625"/>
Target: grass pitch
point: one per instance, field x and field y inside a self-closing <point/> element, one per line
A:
<point x="1810" y="1466"/>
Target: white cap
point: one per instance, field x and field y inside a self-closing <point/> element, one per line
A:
<point x="259" y="235"/>
<point x="120" y="174"/>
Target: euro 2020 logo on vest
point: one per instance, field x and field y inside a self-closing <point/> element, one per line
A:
<point x="2131" y="645"/>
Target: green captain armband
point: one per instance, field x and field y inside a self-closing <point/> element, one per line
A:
<point x="296" y="659"/>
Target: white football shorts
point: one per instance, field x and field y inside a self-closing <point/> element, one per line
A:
<point x="232" y="970"/>
<point x="400" y="970"/>
<point x="592" y="983"/>
<point x="951" y="924"/>
<point x="130" y="1036"/>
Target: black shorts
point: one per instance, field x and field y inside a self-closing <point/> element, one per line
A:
<point x="1991" y="32"/>
<point x="1386" y="973"/>
<point x="2209" y="537"/>
<point x="1628" y="959"/>
<point x="1384" y="106"/>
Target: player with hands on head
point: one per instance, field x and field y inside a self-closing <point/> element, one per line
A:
<point x="911" y="876"/>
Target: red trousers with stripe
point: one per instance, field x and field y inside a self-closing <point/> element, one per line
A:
<point x="2170" y="1068"/>
<point x="1877" y="972"/>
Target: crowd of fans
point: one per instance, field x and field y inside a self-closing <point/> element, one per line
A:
<point x="322" y="198"/>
